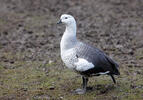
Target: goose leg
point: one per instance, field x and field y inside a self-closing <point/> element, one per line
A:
<point x="113" y="79"/>
<point x="84" y="86"/>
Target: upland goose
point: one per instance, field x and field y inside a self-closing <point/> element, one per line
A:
<point x="83" y="58"/>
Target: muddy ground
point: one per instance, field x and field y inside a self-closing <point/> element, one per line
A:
<point x="30" y="64"/>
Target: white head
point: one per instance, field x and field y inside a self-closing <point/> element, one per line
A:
<point x="67" y="19"/>
<point x="69" y="37"/>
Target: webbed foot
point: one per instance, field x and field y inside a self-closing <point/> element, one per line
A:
<point x="80" y="91"/>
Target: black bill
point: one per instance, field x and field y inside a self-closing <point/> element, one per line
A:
<point x="59" y="22"/>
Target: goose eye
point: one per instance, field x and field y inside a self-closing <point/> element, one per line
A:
<point x="66" y="17"/>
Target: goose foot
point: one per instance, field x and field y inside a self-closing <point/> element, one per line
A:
<point x="80" y="91"/>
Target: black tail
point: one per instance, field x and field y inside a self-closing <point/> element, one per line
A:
<point x="113" y="78"/>
<point x="114" y="65"/>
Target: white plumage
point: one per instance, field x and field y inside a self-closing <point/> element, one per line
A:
<point x="83" y="65"/>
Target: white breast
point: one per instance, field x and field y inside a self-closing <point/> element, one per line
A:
<point x="69" y="58"/>
<point x="83" y="65"/>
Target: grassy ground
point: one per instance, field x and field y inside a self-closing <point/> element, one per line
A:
<point x="30" y="63"/>
<point x="37" y="80"/>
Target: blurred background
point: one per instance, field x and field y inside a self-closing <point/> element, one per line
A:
<point x="30" y="63"/>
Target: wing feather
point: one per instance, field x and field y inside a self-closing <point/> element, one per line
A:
<point x="101" y="61"/>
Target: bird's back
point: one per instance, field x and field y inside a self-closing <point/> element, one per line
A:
<point x="100" y="60"/>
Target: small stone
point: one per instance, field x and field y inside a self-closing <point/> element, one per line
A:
<point x="42" y="97"/>
<point x="51" y="87"/>
<point x="24" y="89"/>
<point x="141" y="57"/>
<point x="12" y="62"/>
<point x="61" y="97"/>
<point x="130" y="65"/>
<point x="119" y="46"/>
<point x="138" y="72"/>
<point x="30" y="32"/>
<point x="19" y="25"/>
<point x="131" y="53"/>
<point x="47" y="74"/>
<point x="50" y="61"/>
<point x="5" y="33"/>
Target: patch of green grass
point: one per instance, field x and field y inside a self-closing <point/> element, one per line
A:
<point x="30" y="79"/>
